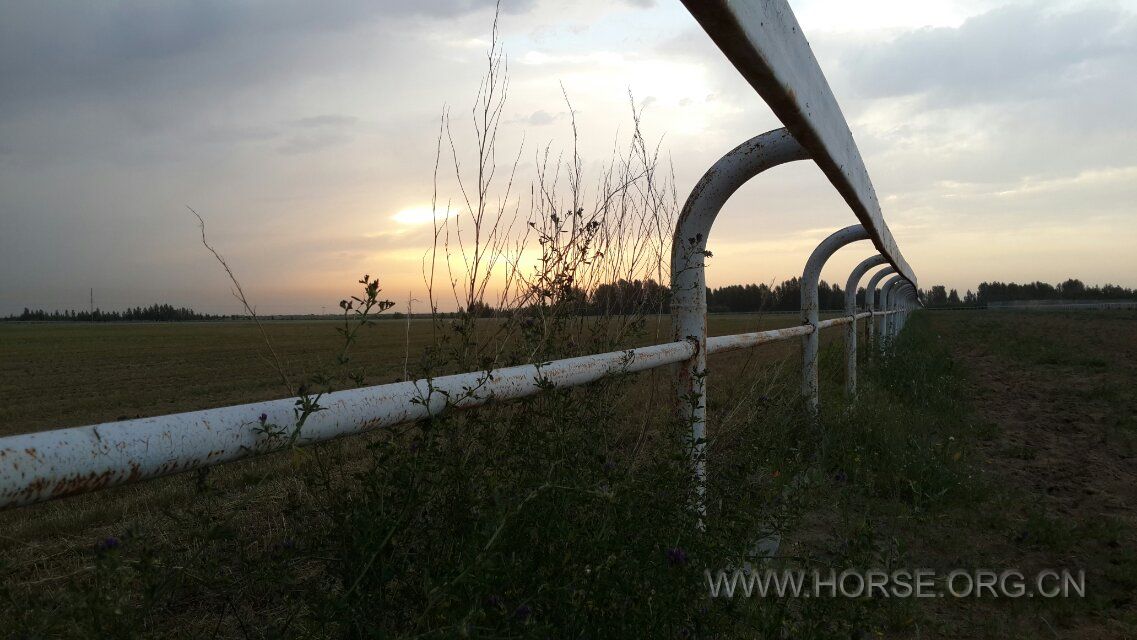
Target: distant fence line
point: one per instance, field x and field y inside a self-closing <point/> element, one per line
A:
<point x="1063" y="305"/>
<point x="766" y="44"/>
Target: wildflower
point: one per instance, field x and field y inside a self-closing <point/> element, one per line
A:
<point x="108" y="544"/>
<point x="840" y="476"/>
<point x="264" y="418"/>
<point x="676" y="556"/>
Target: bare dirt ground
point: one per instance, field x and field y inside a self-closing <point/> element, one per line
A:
<point x="1060" y="393"/>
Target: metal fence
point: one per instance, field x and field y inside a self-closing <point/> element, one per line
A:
<point x="766" y="45"/>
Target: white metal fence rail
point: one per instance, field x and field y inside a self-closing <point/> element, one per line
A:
<point x="764" y="42"/>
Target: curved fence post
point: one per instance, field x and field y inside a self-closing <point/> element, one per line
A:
<point x="809" y="315"/>
<point x="851" y="311"/>
<point x="898" y="317"/>
<point x="872" y="303"/>
<point x="905" y="305"/>
<point x="886" y="307"/>
<point x="910" y="292"/>
<point x="688" y="279"/>
<point x="897" y="295"/>
<point x="894" y="298"/>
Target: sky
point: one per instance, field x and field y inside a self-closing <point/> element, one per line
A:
<point x="1001" y="138"/>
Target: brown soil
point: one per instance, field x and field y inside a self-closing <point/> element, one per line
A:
<point x="1060" y="390"/>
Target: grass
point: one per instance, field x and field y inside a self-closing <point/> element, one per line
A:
<point x="568" y="514"/>
<point x="62" y="375"/>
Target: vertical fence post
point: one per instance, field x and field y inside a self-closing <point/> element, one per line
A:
<point x="894" y="297"/>
<point x="897" y="306"/>
<point x="897" y="297"/>
<point x="905" y="304"/>
<point x="688" y="277"/>
<point x="886" y="301"/>
<point x="872" y="302"/>
<point x="851" y="311"/>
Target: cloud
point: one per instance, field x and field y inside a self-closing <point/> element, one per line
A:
<point x="539" y="118"/>
<point x="293" y="125"/>
<point x="312" y="142"/>
<point x="1014" y="53"/>
<point x="316" y="133"/>
<point x="326" y="120"/>
<point x="53" y="50"/>
<point x="1021" y="92"/>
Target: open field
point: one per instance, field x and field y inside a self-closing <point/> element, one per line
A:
<point x="992" y="440"/>
<point x="1054" y="396"/>
<point x="55" y="375"/>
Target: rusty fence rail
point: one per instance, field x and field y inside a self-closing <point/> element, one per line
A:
<point x="766" y="45"/>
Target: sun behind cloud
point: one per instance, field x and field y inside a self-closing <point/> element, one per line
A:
<point x="422" y="214"/>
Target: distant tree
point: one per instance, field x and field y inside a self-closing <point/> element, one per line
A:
<point x="1072" y="289"/>
<point x="937" y="297"/>
<point x="630" y="296"/>
<point x="480" y="309"/>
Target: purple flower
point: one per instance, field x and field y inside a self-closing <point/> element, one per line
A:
<point x="108" y="544"/>
<point x="676" y="556"/>
<point x="522" y="612"/>
<point x="264" y="418"/>
<point x="840" y="476"/>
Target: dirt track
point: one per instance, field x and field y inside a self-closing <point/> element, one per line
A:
<point x="1059" y="390"/>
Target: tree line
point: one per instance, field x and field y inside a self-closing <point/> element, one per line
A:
<point x="153" y="313"/>
<point x="633" y="296"/>
<point x="988" y="292"/>
<point x="624" y="296"/>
